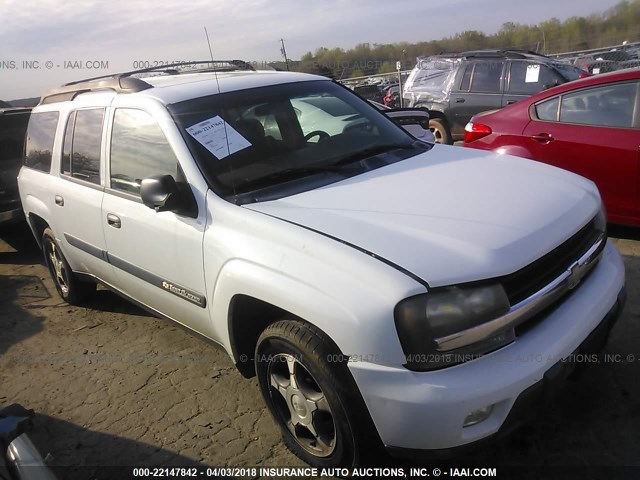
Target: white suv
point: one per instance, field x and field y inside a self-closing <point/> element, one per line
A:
<point x="384" y="290"/>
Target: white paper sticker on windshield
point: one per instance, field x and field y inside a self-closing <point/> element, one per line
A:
<point x="218" y="137"/>
<point x="596" y="71"/>
<point x="533" y="73"/>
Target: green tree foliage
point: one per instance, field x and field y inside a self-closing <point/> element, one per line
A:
<point x="612" y="27"/>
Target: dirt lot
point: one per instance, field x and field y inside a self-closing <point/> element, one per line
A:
<point x="113" y="386"/>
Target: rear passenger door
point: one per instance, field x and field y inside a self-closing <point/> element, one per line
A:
<point x="157" y="256"/>
<point x="479" y="90"/>
<point x="77" y="193"/>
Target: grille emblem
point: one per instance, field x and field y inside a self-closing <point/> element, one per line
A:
<point x="577" y="272"/>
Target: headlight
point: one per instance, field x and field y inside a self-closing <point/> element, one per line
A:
<point x="423" y="319"/>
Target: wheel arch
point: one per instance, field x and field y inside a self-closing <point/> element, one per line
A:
<point x="38" y="226"/>
<point x="248" y="317"/>
<point x="252" y="297"/>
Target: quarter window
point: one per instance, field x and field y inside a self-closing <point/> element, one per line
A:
<point x="82" y="144"/>
<point x="139" y="149"/>
<point x="548" y="110"/>
<point x="39" y="145"/>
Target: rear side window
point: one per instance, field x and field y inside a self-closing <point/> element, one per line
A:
<point x="548" y="110"/>
<point x="82" y="145"/>
<point x="606" y="106"/>
<point x="39" y="144"/>
<point x="139" y="149"/>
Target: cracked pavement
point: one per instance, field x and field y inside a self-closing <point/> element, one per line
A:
<point x="114" y="386"/>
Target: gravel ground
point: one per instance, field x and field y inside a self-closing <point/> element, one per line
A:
<point x="114" y="386"/>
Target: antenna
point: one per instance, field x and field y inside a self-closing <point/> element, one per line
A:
<point x="224" y="122"/>
<point x="212" y="60"/>
<point x="284" y="53"/>
<point x="208" y="43"/>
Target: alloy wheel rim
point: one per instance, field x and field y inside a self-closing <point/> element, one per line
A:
<point x="302" y="405"/>
<point x="58" y="269"/>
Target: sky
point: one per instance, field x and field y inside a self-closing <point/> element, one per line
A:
<point x="44" y="43"/>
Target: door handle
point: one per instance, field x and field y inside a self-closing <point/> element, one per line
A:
<point x="459" y="100"/>
<point x="59" y="200"/>
<point x="511" y="102"/>
<point x="543" y="138"/>
<point x="113" y="220"/>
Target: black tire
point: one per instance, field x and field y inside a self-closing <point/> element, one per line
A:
<point x="323" y="391"/>
<point x="440" y="131"/>
<point x="69" y="287"/>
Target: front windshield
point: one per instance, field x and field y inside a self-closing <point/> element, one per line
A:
<point x="262" y="138"/>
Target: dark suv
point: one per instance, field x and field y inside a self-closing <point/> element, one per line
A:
<point x="13" y="125"/>
<point x="458" y="86"/>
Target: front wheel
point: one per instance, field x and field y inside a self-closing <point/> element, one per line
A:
<point x="309" y="395"/>
<point x="71" y="289"/>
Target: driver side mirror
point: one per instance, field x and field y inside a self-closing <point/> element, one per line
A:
<point x="161" y="193"/>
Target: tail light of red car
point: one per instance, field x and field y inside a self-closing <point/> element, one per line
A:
<point x="475" y="131"/>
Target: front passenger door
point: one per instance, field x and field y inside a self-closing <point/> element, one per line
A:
<point x="157" y="256"/>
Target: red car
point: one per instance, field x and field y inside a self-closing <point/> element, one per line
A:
<point x="589" y="126"/>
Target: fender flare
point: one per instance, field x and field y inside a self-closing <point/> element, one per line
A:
<point x="240" y="277"/>
<point x="33" y="205"/>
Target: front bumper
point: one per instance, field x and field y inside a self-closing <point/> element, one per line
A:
<point x="426" y="410"/>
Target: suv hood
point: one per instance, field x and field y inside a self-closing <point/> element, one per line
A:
<point x="450" y="215"/>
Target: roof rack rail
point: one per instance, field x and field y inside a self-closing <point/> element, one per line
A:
<point x="125" y="82"/>
<point x="494" y="53"/>
<point x="115" y="83"/>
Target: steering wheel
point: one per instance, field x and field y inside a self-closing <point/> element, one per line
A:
<point x="316" y="133"/>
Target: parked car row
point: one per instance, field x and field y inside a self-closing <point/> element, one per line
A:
<point x="453" y="88"/>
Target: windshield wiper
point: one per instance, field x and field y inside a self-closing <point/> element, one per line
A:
<point x="370" y="152"/>
<point x="295" y="173"/>
<point x="285" y="175"/>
